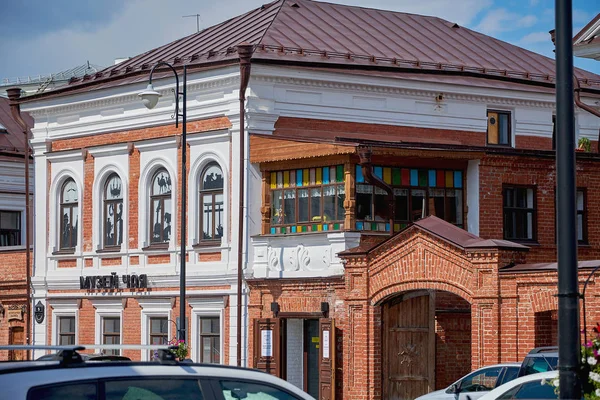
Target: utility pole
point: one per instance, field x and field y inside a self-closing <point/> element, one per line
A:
<point x="568" y="293"/>
<point x="197" y="20"/>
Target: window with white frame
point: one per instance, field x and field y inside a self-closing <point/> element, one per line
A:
<point x="210" y="339"/>
<point x="211" y="204"/>
<point x="69" y="215"/>
<point x="66" y="330"/>
<point x="160" y="207"/>
<point x="111" y="333"/>
<point x="113" y="211"/>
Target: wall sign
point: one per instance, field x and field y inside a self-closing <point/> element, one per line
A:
<point x="39" y="312"/>
<point x="14" y="314"/>
<point x="325" y="344"/>
<point x="266" y="343"/>
<point x="111" y="281"/>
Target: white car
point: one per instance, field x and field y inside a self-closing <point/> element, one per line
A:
<point x="534" y="386"/>
<point x="477" y="383"/>
<point x="72" y="378"/>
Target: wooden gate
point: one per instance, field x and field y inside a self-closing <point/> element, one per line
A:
<point x="408" y="346"/>
<point x="326" y="359"/>
<point x="16" y="336"/>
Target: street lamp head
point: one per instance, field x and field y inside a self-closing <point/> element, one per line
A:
<point x="150" y="97"/>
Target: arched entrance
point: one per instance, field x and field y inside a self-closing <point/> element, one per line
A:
<point x="426" y="337"/>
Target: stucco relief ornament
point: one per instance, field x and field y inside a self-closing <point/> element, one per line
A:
<point x="273" y="259"/>
<point x="293" y="260"/>
<point x="303" y="257"/>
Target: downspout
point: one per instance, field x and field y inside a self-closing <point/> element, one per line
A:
<point x="13" y="95"/>
<point x="245" y="52"/>
<point x="584" y="106"/>
<point x="365" y="153"/>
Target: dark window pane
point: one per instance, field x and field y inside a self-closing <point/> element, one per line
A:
<point x="315" y="204"/>
<point x="418" y="206"/>
<point x="10" y="228"/>
<point x="219" y="216"/>
<point x="207" y="216"/>
<point x="75" y="391"/>
<point x="503" y="131"/>
<point x="364" y="195"/>
<point x="401" y="199"/>
<point x="437" y="203"/>
<point x="481" y="380"/>
<point x="303" y="211"/>
<point x="250" y="390"/>
<point x="341" y="197"/>
<point x="155" y="388"/>
<point x="329" y="203"/>
<point x="536" y="390"/>
<point x="380" y="205"/>
<point x="289" y="206"/>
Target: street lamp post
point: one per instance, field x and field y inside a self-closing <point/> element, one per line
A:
<point x="150" y="99"/>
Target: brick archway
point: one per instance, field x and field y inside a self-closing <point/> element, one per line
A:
<point x="429" y="255"/>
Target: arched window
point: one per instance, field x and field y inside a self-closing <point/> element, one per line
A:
<point x="69" y="215"/>
<point x="113" y="211"/>
<point x="160" y="207"/>
<point x="211" y="203"/>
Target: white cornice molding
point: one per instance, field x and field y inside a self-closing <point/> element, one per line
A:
<point x="380" y="89"/>
<point x="63" y="156"/>
<point x="111" y="150"/>
<point x="207" y="137"/>
<point x="127" y="98"/>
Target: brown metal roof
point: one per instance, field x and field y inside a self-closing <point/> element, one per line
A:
<point x="307" y="32"/>
<point x="545" y="267"/>
<point x="12" y="140"/>
<point x="449" y="233"/>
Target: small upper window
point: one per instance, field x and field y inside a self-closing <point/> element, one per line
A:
<point x="211" y="203"/>
<point x="519" y="213"/>
<point x="160" y="207"/>
<point x="113" y="211"/>
<point x="581" y="217"/>
<point x="69" y="211"/>
<point x="498" y="131"/>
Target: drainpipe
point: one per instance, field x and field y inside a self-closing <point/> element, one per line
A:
<point x="245" y="52"/>
<point x="365" y="153"/>
<point x="13" y="95"/>
<point x="584" y="106"/>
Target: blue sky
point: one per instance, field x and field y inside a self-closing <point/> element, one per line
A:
<point x="42" y="36"/>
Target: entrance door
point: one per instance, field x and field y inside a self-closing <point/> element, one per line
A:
<point x="16" y="336"/>
<point x="408" y="346"/>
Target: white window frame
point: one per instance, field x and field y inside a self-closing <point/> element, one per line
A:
<point x="107" y="308"/>
<point x="205" y="307"/>
<point x="56" y="191"/>
<point x="64" y="308"/>
<point x="153" y="308"/>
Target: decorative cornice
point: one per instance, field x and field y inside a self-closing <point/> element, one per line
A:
<point x="224" y="81"/>
<point x="367" y="88"/>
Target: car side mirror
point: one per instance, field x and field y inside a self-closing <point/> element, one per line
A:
<point x="455" y="388"/>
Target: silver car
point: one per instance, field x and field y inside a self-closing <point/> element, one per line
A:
<point x="477" y="383"/>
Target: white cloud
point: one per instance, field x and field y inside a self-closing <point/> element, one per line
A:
<point x="500" y="20"/>
<point x="535" y="37"/>
<point x="146" y="24"/>
<point x="533" y="3"/>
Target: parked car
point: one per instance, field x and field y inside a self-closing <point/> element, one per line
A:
<point x="540" y="359"/>
<point x="533" y="386"/>
<point x="73" y="378"/>
<point x="477" y="383"/>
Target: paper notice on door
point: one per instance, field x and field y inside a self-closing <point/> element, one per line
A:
<point x="266" y="348"/>
<point x="325" y="344"/>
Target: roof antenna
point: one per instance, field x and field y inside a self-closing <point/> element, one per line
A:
<point x="197" y="20"/>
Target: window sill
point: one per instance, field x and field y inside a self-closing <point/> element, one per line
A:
<point x="530" y="243"/>
<point x="156" y="246"/>
<point x="212" y="244"/>
<point x="584" y="245"/>
<point x="109" y="250"/>
<point x="63" y="252"/>
<point x="11" y="248"/>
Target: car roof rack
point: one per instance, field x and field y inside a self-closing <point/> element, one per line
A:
<point x="545" y="349"/>
<point x="70" y="354"/>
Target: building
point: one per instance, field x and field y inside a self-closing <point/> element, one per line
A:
<point x="13" y="273"/>
<point x="41" y="83"/>
<point x="587" y="42"/>
<point x="367" y="124"/>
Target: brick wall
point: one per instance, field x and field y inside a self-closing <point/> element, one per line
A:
<point x="12" y="294"/>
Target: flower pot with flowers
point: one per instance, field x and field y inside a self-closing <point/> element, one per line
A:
<point x="181" y="350"/>
<point x="584" y="144"/>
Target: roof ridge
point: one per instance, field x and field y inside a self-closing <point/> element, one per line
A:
<point x="273" y="20"/>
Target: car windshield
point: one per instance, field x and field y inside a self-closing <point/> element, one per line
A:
<point x="540" y="363"/>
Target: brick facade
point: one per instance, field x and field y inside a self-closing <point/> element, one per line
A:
<point x="13" y="297"/>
